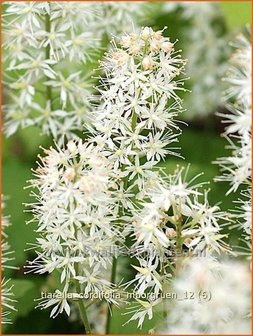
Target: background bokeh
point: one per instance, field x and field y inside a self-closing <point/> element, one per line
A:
<point x="200" y="144"/>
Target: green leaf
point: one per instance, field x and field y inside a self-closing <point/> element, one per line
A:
<point x="15" y="173"/>
<point x="237" y="14"/>
<point x="24" y="292"/>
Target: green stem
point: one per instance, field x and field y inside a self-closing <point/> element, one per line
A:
<point x="113" y="280"/>
<point x="47" y="55"/>
<point x="82" y="309"/>
<point x="165" y="308"/>
<point x="134" y="121"/>
<point x="179" y="241"/>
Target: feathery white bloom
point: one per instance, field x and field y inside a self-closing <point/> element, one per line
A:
<point x="220" y="298"/>
<point x="76" y="217"/>
<point x="139" y="102"/>
<point x="119" y="16"/>
<point x="141" y="311"/>
<point x="244" y="212"/>
<point x="179" y="206"/>
<point x="236" y="169"/>
<point x="40" y="42"/>
<point x="178" y="218"/>
<point x="204" y="49"/>
<point x="239" y="75"/>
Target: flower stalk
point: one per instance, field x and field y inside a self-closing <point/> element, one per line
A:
<point x="47" y="55"/>
<point x="82" y="308"/>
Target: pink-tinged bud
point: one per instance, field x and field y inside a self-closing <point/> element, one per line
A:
<point x="201" y="278"/>
<point x="120" y="57"/>
<point x="167" y="46"/>
<point x="133" y="36"/>
<point x="69" y="174"/>
<point x="155" y="46"/>
<point x="134" y="49"/>
<point x="147" y="63"/>
<point x="158" y="35"/>
<point x="171" y="233"/>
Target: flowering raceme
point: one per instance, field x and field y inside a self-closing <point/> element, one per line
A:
<point x="76" y="221"/>
<point x="176" y="220"/>
<point x="204" y="48"/>
<point x="41" y="40"/>
<point x="45" y="46"/>
<point x="213" y="297"/>
<point x="139" y="102"/>
<point x="236" y="169"/>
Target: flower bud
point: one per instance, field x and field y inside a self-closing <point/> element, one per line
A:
<point x="171" y="233"/>
<point x="120" y="57"/>
<point x="167" y="46"/>
<point x="155" y="46"/>
<point x="147" y="63"/>
<point x="158" y="35"/>
<point x="134" y="49"/>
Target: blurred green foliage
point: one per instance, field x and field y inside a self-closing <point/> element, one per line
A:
<point x="237" y="13"/>
<point x="200" y="145"/>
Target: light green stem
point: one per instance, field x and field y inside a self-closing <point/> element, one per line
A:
<point x="47" y="55"/>
<point x="113" y="280"/>
<point x="82" y="309"/>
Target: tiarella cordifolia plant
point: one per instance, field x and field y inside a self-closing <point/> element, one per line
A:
<point x="135" y="123"/>
<point x="43" y="86"/>
<point x="7" y="301"/>
<point x="211" y="297"/>
<point x="92" y="196"/>
<point x="75" y="211"/>
<point x="236" y="169"/>
<point x="204" y="49"/>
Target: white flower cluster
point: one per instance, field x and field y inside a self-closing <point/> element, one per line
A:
<point x="236" y="168"/>
<point x="177" y="222"/>
<point x="6" y="256"/>
<point x="76" y="219"/>
<point x="139" y="102"/>
<point x="120" y="16"/>
<point x="45" y="46"/>
<point x="42" y="86"/>
<point x="204" y="49"/>
<point x="213" y="298"/>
